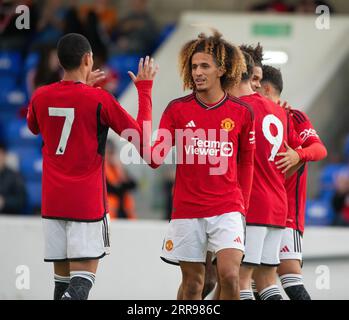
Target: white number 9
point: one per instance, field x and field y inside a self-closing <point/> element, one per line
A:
<point x="275" y="141"/>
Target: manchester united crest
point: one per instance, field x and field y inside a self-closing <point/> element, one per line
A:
<point x="169" y="245"/>
<point x="227" y="124"/>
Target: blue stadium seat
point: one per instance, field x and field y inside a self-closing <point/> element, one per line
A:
<point x="327" y="179"/>
<point x="10" y="62"/>
<point x="8" y="82"/>
<point x="121" y="64"/>
<point x="31" y="61"/>
<point x="17" y="133"/>
<point x="319" y="213"/>
<point x="34" y="194"/>
<point x="12" y="96"/>
<point x="30" y="165"/>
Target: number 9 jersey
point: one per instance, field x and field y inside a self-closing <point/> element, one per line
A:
<point x="74" y="119"/>
<point x="268" y="202"/>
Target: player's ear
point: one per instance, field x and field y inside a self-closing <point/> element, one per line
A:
<point x="87" y="59"/>
<point x="221" y="71"/>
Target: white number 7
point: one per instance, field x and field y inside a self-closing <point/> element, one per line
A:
<point x="275" y="141"/>
<point x="68" y="113"/>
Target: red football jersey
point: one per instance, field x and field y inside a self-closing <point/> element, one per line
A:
<point x="208" y="139"/>
<point x="74" y="119"/>
<point x="296" y="185"/>
<point x="268" y="202"/>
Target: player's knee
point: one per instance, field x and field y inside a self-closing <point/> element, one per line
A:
<point x="229" y="278"/>
<point x="193" y="286"/>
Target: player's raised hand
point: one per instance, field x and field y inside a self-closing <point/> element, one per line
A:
<point x="146" y="70"/>
<point x="289" y="159"/>
<point x="95" y="77"/>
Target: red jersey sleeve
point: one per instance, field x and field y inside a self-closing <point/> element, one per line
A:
<point x="116" y="117"/>
<point x="312" y="147"/>
<point x="31" y="118"/>
<point x="165" y="139"/>
<point x="293" y="138"/>
<point x="304" y="128"/>
<point x="246" y="159"/>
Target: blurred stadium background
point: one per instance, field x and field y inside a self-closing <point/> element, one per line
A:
<point x="314" y="61"/>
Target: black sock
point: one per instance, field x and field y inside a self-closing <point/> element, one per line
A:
<point x="294" y="287"/>
<point x="61" y="284"/>
<point x="80" y="286"/>
<point x="297" y="293"/>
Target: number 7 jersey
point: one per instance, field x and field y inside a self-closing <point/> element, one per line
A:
<point x="74" y="119"/>
<point x="268" y="202"/>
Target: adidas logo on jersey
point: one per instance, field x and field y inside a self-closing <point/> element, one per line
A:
<point x="285" y="249"/>
<point x="238" y="240"/>
<point x="190" y="124"/>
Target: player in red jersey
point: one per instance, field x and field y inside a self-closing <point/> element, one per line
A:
<point x="73" y="119"/>
<point x="256" y="54"/>
<point x="266" y="216"/>
<point x="313" y="149"/>
<point x="214" y="138"/>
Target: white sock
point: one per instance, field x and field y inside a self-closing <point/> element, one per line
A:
<point x="246" y="295"/>
<point x="291" y="279"/>
<point x="83" y="274"/>
<point x="270" y="291"/>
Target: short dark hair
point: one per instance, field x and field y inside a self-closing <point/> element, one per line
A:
<point x="249" y="67"/>
<point x="255" y="52"/>
<point x="273" y="76"/>
<point x="70" y="50"/>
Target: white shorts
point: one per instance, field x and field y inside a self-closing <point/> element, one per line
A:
<point x="72" y="240"/>
<point x="262" y="245"/>
<point x="189" y="239"/>
<point x="291" y="245"/>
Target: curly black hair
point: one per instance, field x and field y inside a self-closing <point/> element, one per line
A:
<point x="255" y="52"/>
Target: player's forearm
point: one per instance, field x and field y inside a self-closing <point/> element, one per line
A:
<point x="144" y="118"/>
<point x="314" y="152"/>
<point x="245" y="174"/>
<point x="144" y="88"/>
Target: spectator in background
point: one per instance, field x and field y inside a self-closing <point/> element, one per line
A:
<point x="93" y="32"/>
<point x="111" y="80"/>
<point x="137" y="32"/>
<point x="119" y="184"/>
<point x="50" y="23"/>
<point x="12" y="188"/>
<point x="272" y="6"/>
<point x="340" y="200"/>
<point x="72" y="21"/>
<point x="105" y="12"/>
<point x="309" y="6"/>
<point x="48" y="70"/>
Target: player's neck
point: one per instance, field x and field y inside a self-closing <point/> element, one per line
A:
<point x="74" y="75"/>
<point x="275" y="98"/>
<point x="211" y="96"/>
<point x="243" y="89"/>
